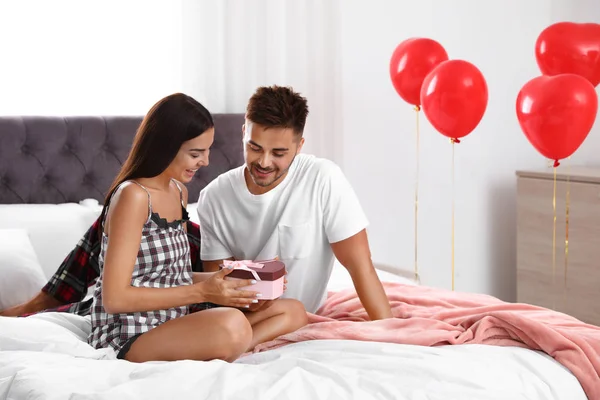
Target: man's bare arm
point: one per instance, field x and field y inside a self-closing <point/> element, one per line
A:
<point x="354" y="254"/>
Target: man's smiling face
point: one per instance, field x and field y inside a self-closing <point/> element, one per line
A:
<point x="269" y="153"/>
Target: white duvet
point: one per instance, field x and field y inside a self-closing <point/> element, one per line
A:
<point x="46" y="357"/>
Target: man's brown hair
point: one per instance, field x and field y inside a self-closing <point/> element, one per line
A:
<point x="278" y="107"/>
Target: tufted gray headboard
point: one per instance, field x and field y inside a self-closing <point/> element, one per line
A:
<point x="67" y="159"/>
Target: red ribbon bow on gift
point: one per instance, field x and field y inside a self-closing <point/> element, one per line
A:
<point x="246" y="265"/>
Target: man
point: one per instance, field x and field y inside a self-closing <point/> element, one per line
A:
<point x="280" y="203"/>
<point x="285" y="204"/>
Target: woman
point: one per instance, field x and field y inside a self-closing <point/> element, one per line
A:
<point x="141" y="298"/>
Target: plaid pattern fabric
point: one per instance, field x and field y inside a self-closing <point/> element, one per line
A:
<point x="163" y="261"/>
<point x="80" y="270"/>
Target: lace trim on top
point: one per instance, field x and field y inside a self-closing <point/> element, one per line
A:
<point x="163" y="223"/>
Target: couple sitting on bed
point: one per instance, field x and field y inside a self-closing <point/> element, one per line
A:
<point x="150" y="302"/>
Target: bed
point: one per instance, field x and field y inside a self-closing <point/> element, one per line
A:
<point x="54" y="172"/>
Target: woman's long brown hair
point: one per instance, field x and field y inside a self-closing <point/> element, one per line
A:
<point x="172" y="121"/>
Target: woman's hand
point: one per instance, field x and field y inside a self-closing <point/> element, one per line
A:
<point x="218" y="290"/>
<point x="262" y="305"/>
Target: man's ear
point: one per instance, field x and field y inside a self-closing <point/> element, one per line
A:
<point x="300" y="144"/>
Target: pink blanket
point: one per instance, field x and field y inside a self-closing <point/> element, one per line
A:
<point x="432" y="317"/>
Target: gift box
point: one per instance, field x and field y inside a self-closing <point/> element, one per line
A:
<point x="269" y="276"/>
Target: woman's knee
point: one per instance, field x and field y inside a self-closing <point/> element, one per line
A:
<point x="237" y="331"/>
<point x="295" y="312"/>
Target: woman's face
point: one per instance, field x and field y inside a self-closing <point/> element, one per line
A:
<point x="192" y="155"/>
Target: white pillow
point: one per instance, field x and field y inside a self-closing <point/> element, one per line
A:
<point x="21" y="276"/>
<point x="340" y="278"/>
<point x="92" y="204"/>
<point x="54" y="229"/>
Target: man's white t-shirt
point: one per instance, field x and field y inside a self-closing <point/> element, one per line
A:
<point x="297" y="220"/>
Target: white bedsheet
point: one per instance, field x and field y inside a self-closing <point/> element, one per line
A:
<point x="58" y="364"/>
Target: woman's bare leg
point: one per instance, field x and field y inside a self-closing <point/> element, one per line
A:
<point x="283" y="316"/>
<point x="218" y="333"/>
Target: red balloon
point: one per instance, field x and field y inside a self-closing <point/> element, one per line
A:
<point x="570" y="48"/>
<point x="454" y="97"/>
<point x="412" y="60"/>
<point x="556" y="113"/>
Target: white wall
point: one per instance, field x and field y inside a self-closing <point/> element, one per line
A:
<point x="70" y="57"/>
<point x="379" y="135"/>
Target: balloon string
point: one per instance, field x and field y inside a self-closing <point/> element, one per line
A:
<point x="554" y="242"/>
<point x="417" y="109"/>
<point x="453" y="141"/>
<point x="567" y="201"/>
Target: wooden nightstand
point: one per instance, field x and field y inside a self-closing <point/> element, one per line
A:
<point x="535" y="281"/>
